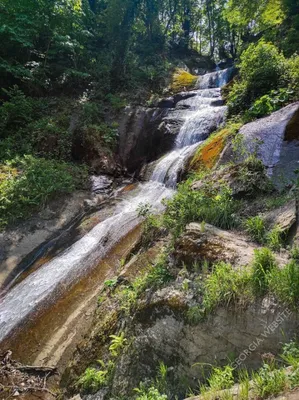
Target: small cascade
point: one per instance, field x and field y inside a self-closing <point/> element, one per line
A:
<point x="205" y="113"/>
<point x="214" y="79"/>
<point x="47" y="284"/>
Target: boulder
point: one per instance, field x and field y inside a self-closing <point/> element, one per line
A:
<point x="244" y="179"/>
<point x="145" y="134"/>
<point x="275" y="139"/>
<point x="285" y="217"/>
<point x="208" y="243"/>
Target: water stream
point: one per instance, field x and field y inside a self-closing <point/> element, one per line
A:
<point x="204" y="113"/>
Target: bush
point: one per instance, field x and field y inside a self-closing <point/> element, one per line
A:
<point x="255" y="227"/>
<point x="221" y="378"/>
<point x="270" y="102"/>
<point x="284" y="283"/>
<point x="262" y="69"/>
<point x="263" y="264"/>
<point x="212" y="205"/>
<point x="28" y="183"/>
<point x="275" y="238"/>
<point x="92" y="380"/>
<point x="268" y="381"/>
<point x="292" y="73"/>
<point x="150" y="394"/>
<point x="225" y="286"/>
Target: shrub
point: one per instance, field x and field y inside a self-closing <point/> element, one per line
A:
<point x="225" y="286"/>
<point x="16" y="111"/>
<point x="275" y="238"/>
<point x="117" y="343"/>
<point x="155" y="278"/>
<point x="221" y="378"/>
<point x="212" y="205"/>
<point x="271" y="102"/>
<point x="284" y="283"/>
<point x="292" y="72"/>
<point x="262" y="69"/>
<point x="92" y="380"/>
<point x="151" y="224"/>
<point x="264" y="263"/>
<point x="268" y="381"/>
<point x="149" y="394"/>
<point x="28" y="183"/>
<point x="255" y="227"/>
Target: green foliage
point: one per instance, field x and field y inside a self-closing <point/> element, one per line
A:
<point x="149" y="394"/>
<point x="28" y="183"/>
<point x="284" y="283"/>
<point x="212" y="205"/>
<point x="195" y="314"/>
<point x="264" y="262"/>
<point x="262" y="68"/>
<point x="152" y="224"/>
<point x="117" y="344"/>
<point x="110" y="283"/>
<point x="295" y="253"/>
<point x="221" y="378"/>
<point x="156" y="277"/>
<point x="255" y="227"/>
<point x="275" y="238"/>
<point x="92" y="380"/>
<point x="156" y="387"/>
<point x="290" y="354"/>
<point x="226" y="286"/>
<point x="268" y="381"/>
<point x="270" y="102"/>
<point x="182" y="80"/>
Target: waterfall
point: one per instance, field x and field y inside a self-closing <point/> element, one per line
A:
<point x="205" y="114"/>
<point x="44" y="286"/>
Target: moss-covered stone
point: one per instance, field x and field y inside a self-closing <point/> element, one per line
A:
<point x="208" y="154"/>
<point x="182" y="80"/>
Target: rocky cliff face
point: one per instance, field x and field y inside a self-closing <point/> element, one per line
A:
<point x="275" y="139"/>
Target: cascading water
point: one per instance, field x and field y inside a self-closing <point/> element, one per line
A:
<point x="205" y="114"/>
<point x="44" y="286"/>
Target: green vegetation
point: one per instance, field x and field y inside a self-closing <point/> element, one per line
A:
<point x="269" y="381"/>
<point x="284" y="283"/>
<point x="225" y="286"/>
<point x="221" y="378"/>
<point x="264" y="263"/>
<point x="255" y="227"/>
<point x="152" y="224"/>
<point x="149" y="394"/>
<point x="212" y="205"/>
<point x="152" y="390"/>
<point x="94" y="379"/>
<point x="157" y="276"/>
<point x="28" y="183"/>
<point x="117" y="344"/>
<point x="266" y="82"/>
<point x="182" y="80"/>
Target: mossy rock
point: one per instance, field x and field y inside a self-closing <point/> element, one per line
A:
<point x="208" y="154"/>
<point x="182" y="80"/>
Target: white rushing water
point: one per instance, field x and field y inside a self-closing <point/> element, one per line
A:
<point x="205" y="114"/>
<point x="45" y="285"/>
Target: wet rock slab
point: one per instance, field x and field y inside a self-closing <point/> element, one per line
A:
<point x="211" y="244"/>
<point x="269" y="138"/>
